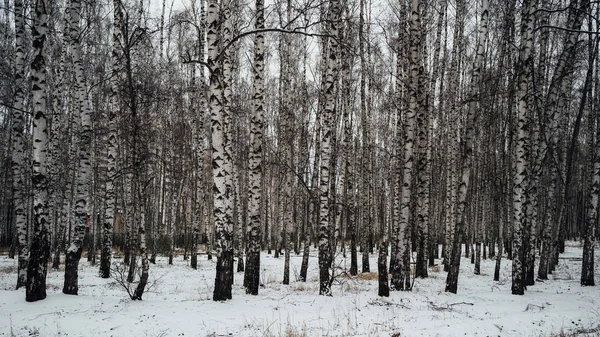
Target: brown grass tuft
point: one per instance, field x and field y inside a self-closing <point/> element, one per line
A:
<point x="8" y="270"/>
<point x="368" y="276"/>
<point x="301" y="286"/>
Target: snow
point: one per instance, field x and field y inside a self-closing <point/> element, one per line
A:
<point x="180" y="304"/>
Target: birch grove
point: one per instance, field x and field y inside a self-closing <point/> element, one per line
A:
<point x="418" y="134"/>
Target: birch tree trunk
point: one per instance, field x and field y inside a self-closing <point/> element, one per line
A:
<point x="255" y="178"/>
<point x="423" y="157"/>
<point x="587" y="265"/>
<point x="139" y="290"/>
<point x="520" y="184"/>
<point x="74" y="250"/>
<point x="37" y="267"/>
<point x="221" y="162"/>
<point x="287" y="143"/>
<point x="199" y="198"/>
<point x="111" y="159"/>
<point x="18" y="145"/>
<point x="466" y="156"/>
<point x="553" y="104"/>
<point x="401" y="271"/>
<point x="325" y="258"/>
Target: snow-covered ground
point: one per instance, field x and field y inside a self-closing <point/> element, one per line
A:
<point x="180" y="304"/>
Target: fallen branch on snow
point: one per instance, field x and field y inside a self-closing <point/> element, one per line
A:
<point x="458" y="303"/>
<point x="383" y="303"/>
<point x="447" y="307"/>
<point x="586" y="331"/>
<point x="534" y="306"/>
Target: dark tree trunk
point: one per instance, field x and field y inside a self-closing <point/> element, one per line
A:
<point x="70" y="286"/>
<point x="384" y="288"/>
<point x="305" y="253"/>
<point x="353" y="252"/>
<point x="37" y="268"/>
<point x="484" y="253"/>
<point x="365" y="255"/>
<point x="497" y="268"/>
<point x="240" y="266"/>
<point x="587" y="269"/>
<point x="477" y="255"/>
<point x="224" y="276"/>
<point x="252" y="280"/>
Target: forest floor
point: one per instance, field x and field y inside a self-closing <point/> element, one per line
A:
<point x="179" y="303"/>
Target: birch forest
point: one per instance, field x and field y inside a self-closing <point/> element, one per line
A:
<point x="419" y="132"/>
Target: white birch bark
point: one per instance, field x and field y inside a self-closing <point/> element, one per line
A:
<point x="111" y="159"/>
<point x="589" y="232"/>
<point x="141" y="286"/>
<point x="18" y="144"/>
<point x="220" y="159"/>
<point x="325" y="258"/>
<point x="519" y="184"/>
<point x="553" y="106"/>
<point x="75" y="248"/>
<point x="252" y="272"/>
<point x="466" y="156"/>
<point x="408" y="155"/>
<point x="40" y="245"/>
<point x="423" y="154"/>
<point x="287" y="141"/>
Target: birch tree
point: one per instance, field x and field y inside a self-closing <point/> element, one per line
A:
<point x="327" y="118"/>
<point x="111" y="159"/>
<point x="554" y="103"/>
<point x="466" y="155"/>
<point x="220" y="159"/>
<point x="85" y="137"/>
<point x="18" y="144"/>
<point x="37" y="267"/>
<point x="401" y="271"/>
<point x="520" y="182"/>
<point x="255" y="178"/>
<point x="589" y="230"/>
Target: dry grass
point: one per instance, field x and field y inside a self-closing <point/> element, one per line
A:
<point x="303" y="286"/>
<point x="267" y="279"/>
<point x="368" y="276"/>
<point x="291" y="331"/>
<point x="8" y="270"/>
